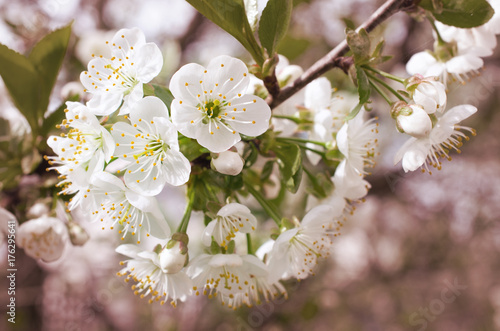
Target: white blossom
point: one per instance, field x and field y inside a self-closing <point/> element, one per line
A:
<point x="211" y="107"/>
<point x="42" y="238"/>
<point x="120" y="78"/>
<point x="357" y="141"/>
<point x="151" y="146"/>
<point x="444" y="137"/>
<point x="113" y="203"/>
<point x="231" y="218"/>
<point x="296" y="251"/>
<point x="145" y="269"/>
<point x="235" y="279"/>
<point x="428" y="93"/>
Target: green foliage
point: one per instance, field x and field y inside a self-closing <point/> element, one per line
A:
<point x="459" y="13"/>
<point x="230" y="15"/>
<point x="274" y="23"/>
<point x="359" y="43"/>
<point x="17" y="157"/>
<point x="164" y="94"/>
<point x="290" y="164"/>
<point x="31" y="80"/>
<point x="292" y="47"/>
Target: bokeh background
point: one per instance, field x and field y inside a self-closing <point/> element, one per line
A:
<point x="421" y="253"/>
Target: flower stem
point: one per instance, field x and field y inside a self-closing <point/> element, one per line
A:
<point x="387" y="86"/>
<point x="300" y="140"/>
<point x="249" y="245"/>
<point x="182" y="228"/>
<point x="384" y="74"/>
<point x="270" y="208"/>
<point x="433" y="23"/>
<point x="382" y="93"/>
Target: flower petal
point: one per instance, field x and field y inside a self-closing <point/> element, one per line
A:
<point x="249" y="115"/>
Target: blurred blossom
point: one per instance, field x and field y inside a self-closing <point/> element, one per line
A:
<point x="93" y="42"/>
<point x="42" y="238"/>
<point x="156" y="18"/>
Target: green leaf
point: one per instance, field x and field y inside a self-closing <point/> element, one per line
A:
<point x="292" y="47"/>
<point x="22" y="82"/>
<point x="274" y="23"/>
<point x="359" y="43"/>
<point x="231" y="16"/>
<point x="289" y="159"/>
<point x="364" y="89"/>
<point x="293" y="183"/>
<point x="164" y="94"/>
<point x="47" y="57"/>
<point x="267" y="170"/>
<point x="460" y="13"/>
<point x="190" y="148"/>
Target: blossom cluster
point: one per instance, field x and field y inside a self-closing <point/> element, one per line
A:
<point x="121" y="148"/>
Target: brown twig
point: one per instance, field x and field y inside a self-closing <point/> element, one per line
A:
<point x="335" y="57"/>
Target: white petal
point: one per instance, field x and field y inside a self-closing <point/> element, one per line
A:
<point x="128" y="250"/>
<point x="251" y="116"/>
<point x="186" y="118"/>
<point x="126" y="38"/>
<point x="416" y="154"/>
<point x="318" y="94"/>
<point x="419" y="63"/>
<point x="233" y="208"/>
<point x="464" y="64"/>
<point x="130" y="100"/>
<point x="321" y="214"/>
<point x="145" y="110"/>
<point x="190" y="74"/>
<point x="458" y="114"/>
<point x="216" y="140"/>
<point x="206" y="238"/>
<point x="149" y="62"/>
<point x="176" y="168"/>
<point x="105" y="104"/>
<point x="227" y="76"/>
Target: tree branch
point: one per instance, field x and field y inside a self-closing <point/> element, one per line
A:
<point x="335" y="57"/>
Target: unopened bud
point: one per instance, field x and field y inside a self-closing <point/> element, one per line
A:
<point x="77" y="234"/>
<point x="413" y="120"/>
<point x="174" y="255"/>
<point x="228" y="163"/>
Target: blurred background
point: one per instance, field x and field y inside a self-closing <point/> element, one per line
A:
<point x="421" y="253"/>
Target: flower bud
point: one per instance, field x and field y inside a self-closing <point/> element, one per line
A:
<point x="173" y="257"/>
<point x="42" y="238"/>
<point x="77" y="234"/>
<point x="430" y="94"/>
<point x="228" y="163"/>
<point x="413" y="120"/>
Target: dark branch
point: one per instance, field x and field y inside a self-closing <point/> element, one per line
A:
<point x="335" y="57"/>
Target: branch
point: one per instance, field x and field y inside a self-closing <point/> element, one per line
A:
<point x="335" y="57"/>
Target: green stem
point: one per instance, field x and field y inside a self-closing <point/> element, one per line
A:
<point x="270" y="209"/>
<point x="387" y="86"/>
<point x="293" y="119"/>
<point x="382" y="93"/>
<point x="249" y="245"/>
<point x="433" y="23"/>
<point x="299" y="140"/>
<point x="384" y="74"/>
<point x="182" y="228"/>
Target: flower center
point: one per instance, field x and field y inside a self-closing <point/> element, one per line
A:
<point x="213" y="108"/>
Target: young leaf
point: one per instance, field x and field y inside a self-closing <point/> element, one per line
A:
<point x="47" y="57"/>
<point x="293" y="183"/>
<point x="289" y="159"/>
<point x="460" y="13"/>
<point x="274" y="23"/>
<point x="359" y="43"/>
<point x="22" y="82"/>
<point x="231" y="16"/>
